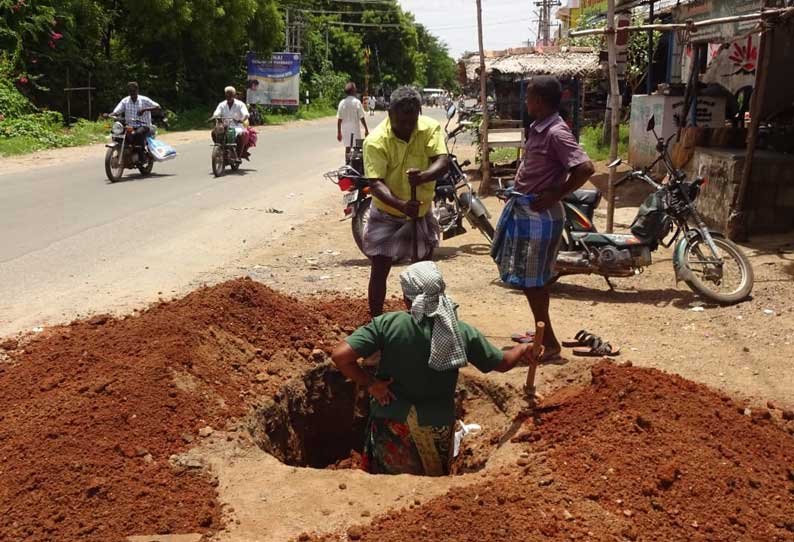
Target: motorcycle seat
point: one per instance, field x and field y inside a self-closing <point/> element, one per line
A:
<point x="589" y="198"/>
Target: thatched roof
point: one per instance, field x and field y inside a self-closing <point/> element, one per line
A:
<point x="560" y="62"/>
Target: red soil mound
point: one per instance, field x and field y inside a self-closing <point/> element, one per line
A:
<point x="638" y="455"/>
<point x="91" y="412"/>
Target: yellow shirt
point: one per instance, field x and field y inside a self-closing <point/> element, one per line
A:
<point x="388" y="157"/>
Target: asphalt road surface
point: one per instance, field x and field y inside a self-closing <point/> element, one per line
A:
<point x="74" y="244"/>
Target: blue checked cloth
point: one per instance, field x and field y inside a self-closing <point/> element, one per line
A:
<point x="526" y="242"/>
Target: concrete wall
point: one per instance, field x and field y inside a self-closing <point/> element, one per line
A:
<point x="770" y="195"/>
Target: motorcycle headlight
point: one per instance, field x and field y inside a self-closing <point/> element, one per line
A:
<point x="117" y="128"/>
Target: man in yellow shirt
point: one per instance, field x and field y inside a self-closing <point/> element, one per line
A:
<point x="405" y="150"/>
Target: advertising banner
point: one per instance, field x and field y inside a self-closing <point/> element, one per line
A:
<point x="275" y="81"/>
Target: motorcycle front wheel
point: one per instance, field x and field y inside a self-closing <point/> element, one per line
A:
<point x="732" y="285"/>
<point x="360" y="222"/>
<point x="218" y="161"/>
<point x="114" y="164"/>
<point x="482" y="224"/>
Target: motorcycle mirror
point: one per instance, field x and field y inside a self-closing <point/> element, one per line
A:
<point x="451" y="111"/>
<point x="651" y="123"/>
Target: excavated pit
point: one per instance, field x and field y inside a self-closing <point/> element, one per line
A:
<point x="318" y="421"/>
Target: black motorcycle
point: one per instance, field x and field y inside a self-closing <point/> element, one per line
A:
<point x="224" y="146"/>
<point x="123" y="152"/>
<point x="454" y="197"/>
<point x="705" y="260"/>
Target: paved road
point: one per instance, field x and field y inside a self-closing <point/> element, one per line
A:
<point x="74" y="244"/>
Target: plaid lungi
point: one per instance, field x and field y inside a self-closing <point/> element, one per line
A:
<point x="391" y="236"/>
<point x="526" y="243"/>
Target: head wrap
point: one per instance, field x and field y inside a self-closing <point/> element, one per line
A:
<point x="424" y="286"/>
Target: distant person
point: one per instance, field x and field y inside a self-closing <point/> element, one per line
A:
<point x="412" y="407"/>
<point x="349" y="113"/>
<point x="371" y="105"/>
<point x="137" y="111"/>
<point x="407" y="149"/>
<point x="237" y="113"/>
<point x="529" y="231"/>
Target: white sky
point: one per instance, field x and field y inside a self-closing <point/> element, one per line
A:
<point x="506" y="23"/>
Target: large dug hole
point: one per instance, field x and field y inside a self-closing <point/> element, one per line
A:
<point x="318" y="421"/>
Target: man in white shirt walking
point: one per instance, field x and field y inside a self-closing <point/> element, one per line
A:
<point x="348" y="115"/>
<point x="237" y="113"/>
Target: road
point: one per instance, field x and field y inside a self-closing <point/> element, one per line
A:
<point x="74" y="244"/>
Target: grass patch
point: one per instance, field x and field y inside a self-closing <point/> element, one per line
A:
<point x="502" y="155"/>
<point x="196" y="119"/>
<point x="590" y="140"/>
<point x="31" y="136"/>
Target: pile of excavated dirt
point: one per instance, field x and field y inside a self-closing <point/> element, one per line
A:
<point x="636" y="455"/>
<point x="91" y="412"/>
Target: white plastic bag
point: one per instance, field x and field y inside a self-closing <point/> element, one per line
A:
<point x="161" y="151"/>
<point x="464" y="430"/>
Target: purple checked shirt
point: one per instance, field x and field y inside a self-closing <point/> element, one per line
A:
<point x="550" y="152"/>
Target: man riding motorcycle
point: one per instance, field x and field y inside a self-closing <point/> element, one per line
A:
<point x="137" y="111"/>
<point x="235" y="110"/>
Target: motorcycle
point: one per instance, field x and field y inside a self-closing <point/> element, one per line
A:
<point x="705" y="260"/>
<point x="224" y="146"/>
<point x="122" y="152"/>
<point x="453" y="201"/>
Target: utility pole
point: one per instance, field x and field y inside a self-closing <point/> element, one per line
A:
<point x="286" y="31"/>
<point x="485" y="158"/>
<point x="544" y="20"/>
<point x="614" y="100"/>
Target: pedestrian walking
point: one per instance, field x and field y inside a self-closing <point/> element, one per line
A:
<point x="412" y="409"/>
<point x="528" y="235"/>
<point x="405" y="152"/>
<point x="349" y="113"/>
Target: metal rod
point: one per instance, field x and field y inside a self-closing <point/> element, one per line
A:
<point x="90" y="117"/>
<point x="485" y="158"/>
<point x="689" y="24"/>
<point x="649" y="74"/>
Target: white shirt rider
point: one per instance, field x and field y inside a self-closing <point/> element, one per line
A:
<point x="349" y="114"/>
<point x="131" y="109"/>
<point x="234" y="109"/>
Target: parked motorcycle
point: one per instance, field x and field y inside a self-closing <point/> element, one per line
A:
<point x="122" y="152"/>
<point x="454" y="197"/>
<point x="705" y="260"/>
<point x="224" y="146"/>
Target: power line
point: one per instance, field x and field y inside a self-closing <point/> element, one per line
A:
<point x="494" y="23"/>
<point x="367" y="25"/>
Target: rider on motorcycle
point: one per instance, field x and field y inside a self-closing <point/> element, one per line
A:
<point x="235" y="110"/>
<point x="137" y="111"/>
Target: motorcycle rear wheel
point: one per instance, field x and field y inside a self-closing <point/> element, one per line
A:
<point x="146" y="169"/>
<point x="218" y="161"/>
<point x="737" y="271"/>
<point x="360" y="222"/>
<point x="114" y="166"/>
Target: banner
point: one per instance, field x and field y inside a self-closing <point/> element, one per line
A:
<point x="275" y="81"/>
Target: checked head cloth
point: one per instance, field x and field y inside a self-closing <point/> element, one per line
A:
<point x="424" y="286"/>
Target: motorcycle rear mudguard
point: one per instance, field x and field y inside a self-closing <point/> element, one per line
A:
<point x="682" y="272"/>
<point x="472" y="202"/>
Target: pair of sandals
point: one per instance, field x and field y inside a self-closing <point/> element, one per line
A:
<point x="585" y="344"/>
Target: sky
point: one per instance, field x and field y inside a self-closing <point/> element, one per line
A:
<point x="506" y="23"/>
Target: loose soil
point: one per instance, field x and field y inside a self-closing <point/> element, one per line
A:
<point x="636" y="455"/>
<point x="93" y="412"/>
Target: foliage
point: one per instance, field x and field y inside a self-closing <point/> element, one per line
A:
<point x="637" y="61"/>
<point x="502" y="155"/>
<point x="592" y="142"/>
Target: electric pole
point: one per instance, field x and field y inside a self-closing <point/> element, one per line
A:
<point x="544" y="20"/>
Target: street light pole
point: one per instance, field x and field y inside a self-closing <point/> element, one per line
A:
<point x="484" y="151"/>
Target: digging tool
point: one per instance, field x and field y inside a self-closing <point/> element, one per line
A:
<point x="537" y="352"/>
<point x="414" y="231"/>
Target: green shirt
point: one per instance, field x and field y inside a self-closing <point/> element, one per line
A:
<point x="388" y="157"/>
<point x="405" y="350"/>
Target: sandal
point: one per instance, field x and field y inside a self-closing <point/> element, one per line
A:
<point x="598" y="349"/>
<point x="582" y="338"/>
<point x="523" y="338"/>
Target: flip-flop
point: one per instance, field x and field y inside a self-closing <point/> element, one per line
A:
<point x="598" y="349"/>
<point x="523" y="338"/>
<point x="582" y="338"/>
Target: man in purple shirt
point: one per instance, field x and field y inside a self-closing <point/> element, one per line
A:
<point x="530" y="228"/>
